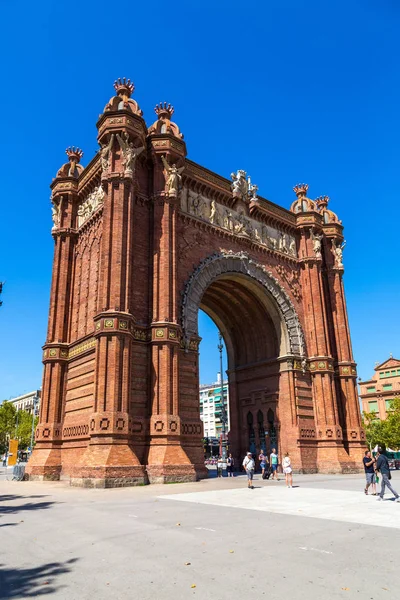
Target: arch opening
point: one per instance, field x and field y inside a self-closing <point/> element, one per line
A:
<point x="256" y="338"/>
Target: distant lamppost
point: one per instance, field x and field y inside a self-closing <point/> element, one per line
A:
<point x="224" y="416"/>
<point x="35" y="403"/>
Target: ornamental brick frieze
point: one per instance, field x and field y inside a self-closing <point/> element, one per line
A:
<point x="87" y="345"/>
<point x="238" y="224"/>
<point x="165" y="425"/>
<point x="353" y="435"/>
<point x="48" y="431"/>
<point x="114" y="423"/>
<point x="111" y="323"/>
<point x="162" y="332"/>
<point x="230" y="262"/>
<point x="332" y="433"/>
<point x="321" y="365"/>
<point x="167" y="142"/>
<point x="115" y="121"/>
<point x="55" y="352"/>
<point x="346" y="370"/>
<point x="76" y="430"/>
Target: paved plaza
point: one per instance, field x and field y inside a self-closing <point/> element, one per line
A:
<point x="214" y="539"/>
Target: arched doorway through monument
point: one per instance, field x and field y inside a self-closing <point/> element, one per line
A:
<point x="250" y="325"/>
<point x="262" y="334"/>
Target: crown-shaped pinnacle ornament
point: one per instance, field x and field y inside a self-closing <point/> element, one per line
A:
<point x="124" y="87"/>
<point x="164" y="110"/>
<point x="74" y="154"/>
<point x="301" y="189"/>
<point x="322" y="201"/>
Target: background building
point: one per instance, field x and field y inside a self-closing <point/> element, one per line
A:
<point x="25" y="402"/>
<point x="378" y="392"/>
<point x="210" y="407"/>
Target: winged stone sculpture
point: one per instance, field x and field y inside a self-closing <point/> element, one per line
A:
<point x="174" y="178"/>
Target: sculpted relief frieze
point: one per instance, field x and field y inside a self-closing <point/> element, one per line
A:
<point x="89" y="205"/>
<point x="237" y="222"/>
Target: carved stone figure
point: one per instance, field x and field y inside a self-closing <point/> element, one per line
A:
<point x="174" y="179"/>
<point x="105" y="156"/>
<point x="338" y="253"/>
<point x="253" y="189"/>
<point x="197" y="206"/>
<point x="214" y="214"/>
<point x="129" y="154"/>
<point x="292" y="247"/>
<point x="272" y="242"/>
<point x="242" y="226"/>
<point x="282" y="244"/>
<point x="228" y="220"/>
<point x="317" y="241"/>
<point x="55" y="214"/>
<point x="90" y="204"/>
<point x="239" y="185"/>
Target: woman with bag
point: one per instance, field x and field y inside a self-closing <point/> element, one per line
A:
<point x="287" y="469"/>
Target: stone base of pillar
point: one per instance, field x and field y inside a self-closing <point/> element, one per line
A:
<point x="44" y="464"/>
<point x="108" y="465"/>
<point x="169" y="463"/>
<point x="335" y="459"/>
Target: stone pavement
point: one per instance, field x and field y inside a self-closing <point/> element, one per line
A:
<point x="324" y="538"/>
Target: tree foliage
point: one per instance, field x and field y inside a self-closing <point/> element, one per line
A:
<point x="15" y="424"/>
<point x="383" y="433"/>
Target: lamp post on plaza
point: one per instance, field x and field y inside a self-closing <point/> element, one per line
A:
<point x="224" y="416"/>
<point x="35" y="403"/>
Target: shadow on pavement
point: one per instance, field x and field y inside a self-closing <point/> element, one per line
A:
<point x="8" y="524"/>
<point x="12" y="510"/>
<point x="33" y="582"/>
<point x="10" y="497"/>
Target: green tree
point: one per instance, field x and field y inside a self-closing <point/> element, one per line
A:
<point x="8" y="416"/>
<point x="24" y="429"/>
<point x="393" y="425"/>
<point x="15" y="425"/>
<point x="374" y="430"/>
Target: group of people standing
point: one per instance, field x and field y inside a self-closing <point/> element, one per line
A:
<point x="268" y="467"/>
<point x="373" y="466"/>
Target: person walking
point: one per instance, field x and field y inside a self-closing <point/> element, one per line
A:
<point x="249" y="465"/>
<point x="263" y="462"/>
<point x="274" y="461"/>
<point x="369" y="468"/>
<point x="287" y="469"/>
<point x="382" y="465"/>
<point x="230" y="463"/>
<point x="219" y="466"/>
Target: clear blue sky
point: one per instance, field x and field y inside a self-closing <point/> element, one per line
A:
<point x="290" y="91"/>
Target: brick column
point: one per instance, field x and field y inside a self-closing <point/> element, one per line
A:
<point x="46" y="459"/>
<point x="167" y="459"/>
<point x="321" y="365"/>
<point x="115" y="452"/>
<point x="346" y="372"/>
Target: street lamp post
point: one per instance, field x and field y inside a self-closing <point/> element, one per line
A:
<point x="35" y="403"/>
<point x="224" y="416"/>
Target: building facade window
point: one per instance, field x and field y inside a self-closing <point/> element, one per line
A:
<point x="388" y="405"/>
<point x="371" y="388"/>
<point x="373" y="406"/>
<point x="387" y="387"/>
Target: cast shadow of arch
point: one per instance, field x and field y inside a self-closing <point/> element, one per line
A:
<point x="32" y="582"/>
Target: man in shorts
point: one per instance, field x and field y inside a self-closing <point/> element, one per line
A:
<point x="369" y="468"/>
<point x="274" y="462"/>
<point x="249" y="465"/>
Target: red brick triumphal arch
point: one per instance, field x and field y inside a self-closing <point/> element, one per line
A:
<point x="144" y="238"/>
